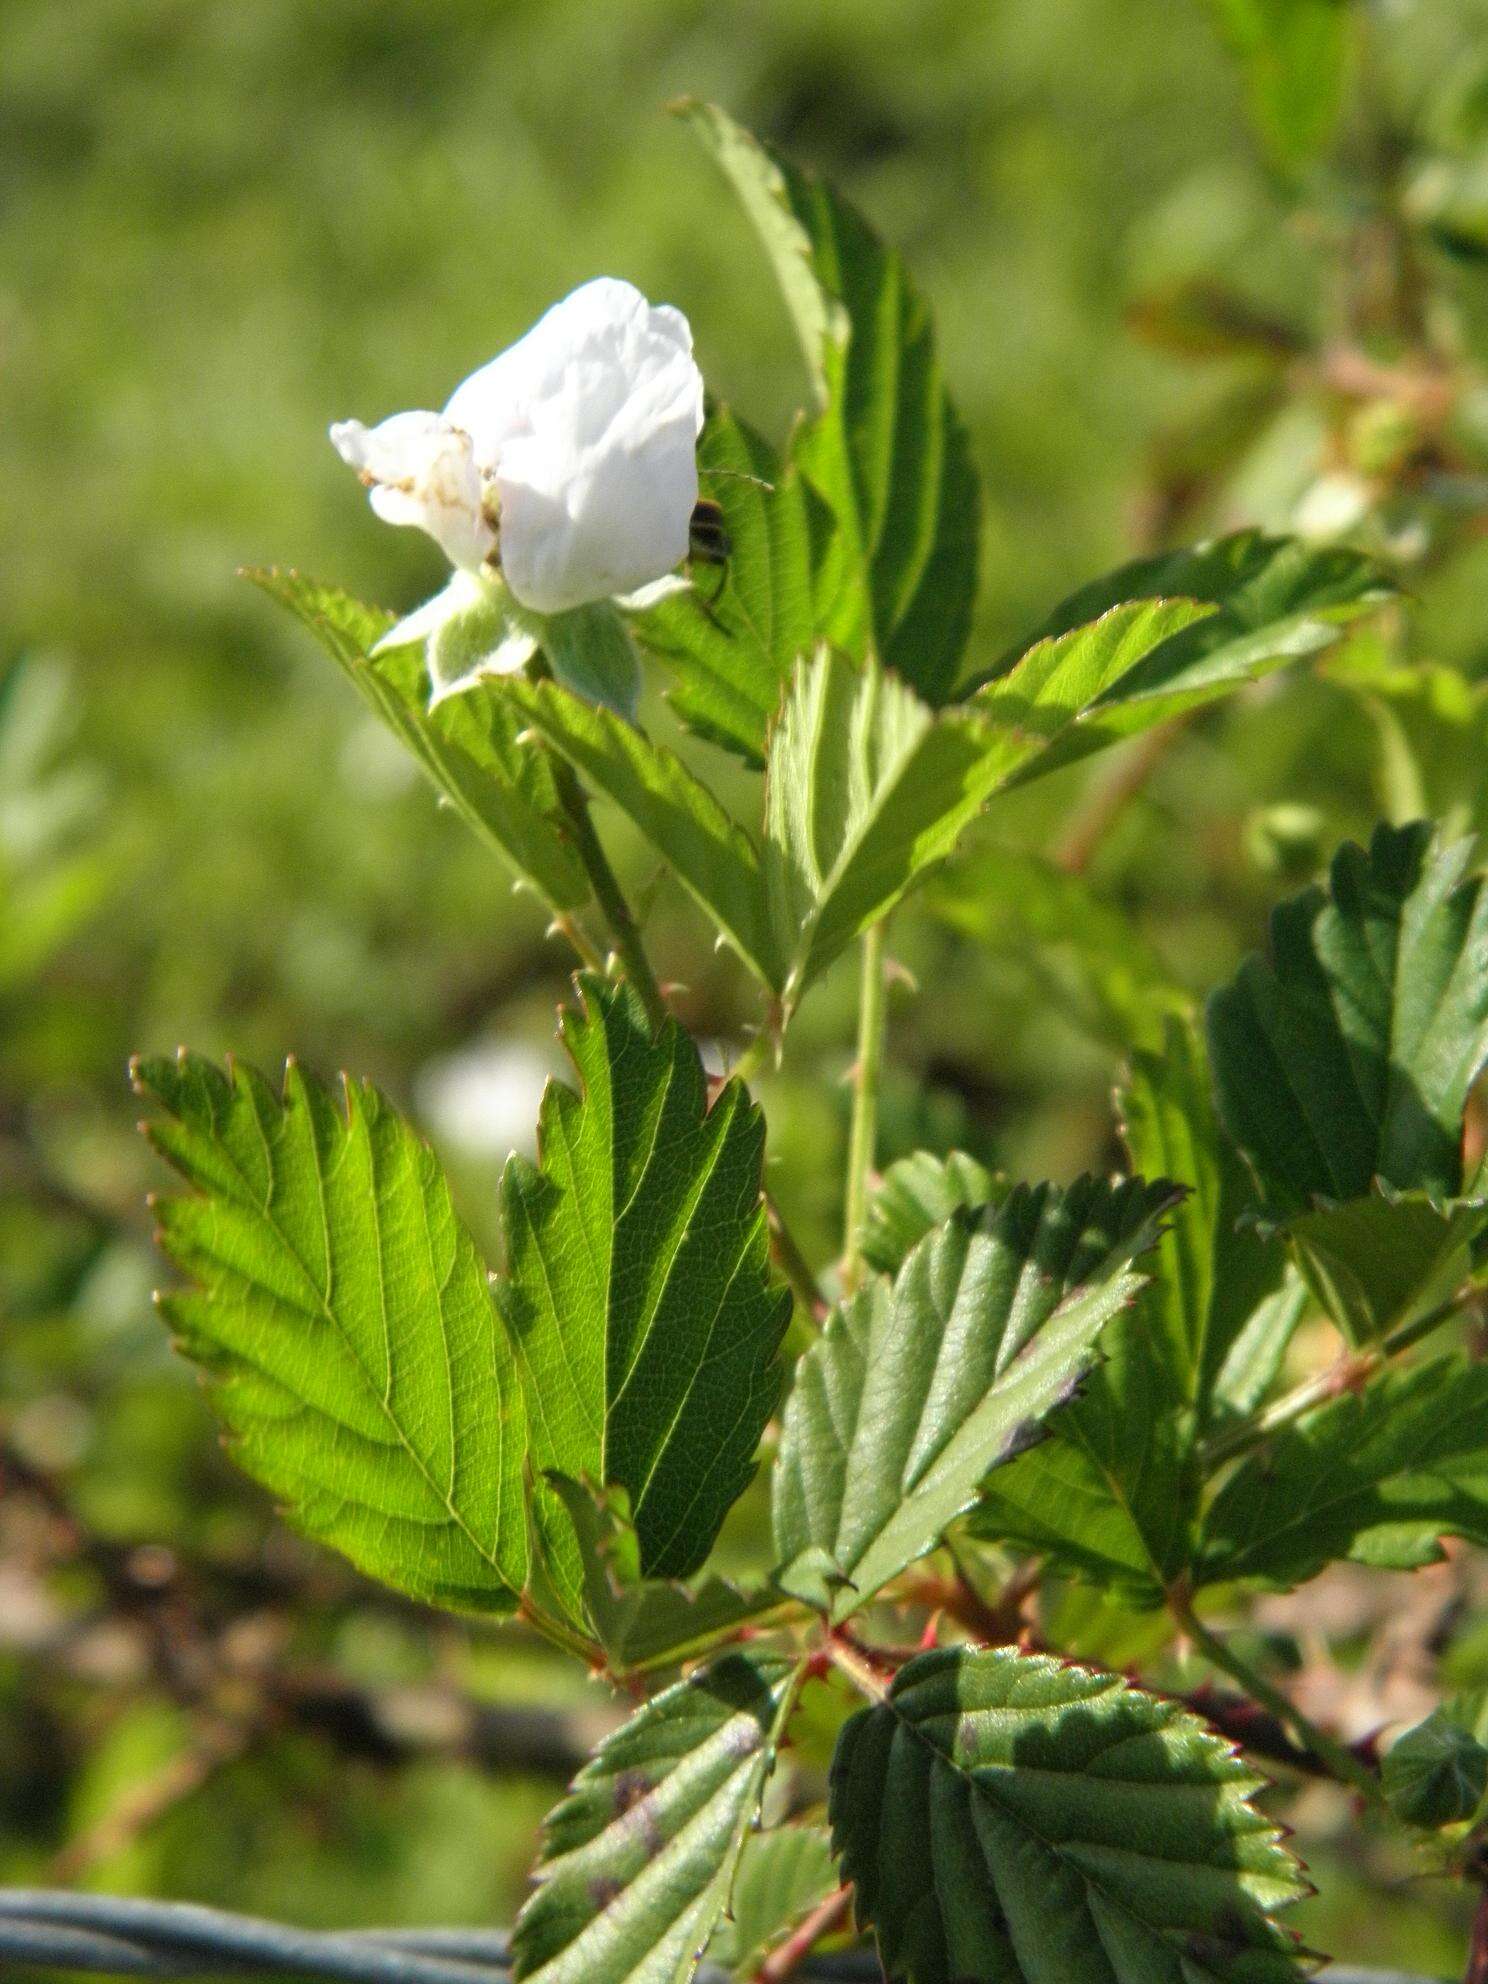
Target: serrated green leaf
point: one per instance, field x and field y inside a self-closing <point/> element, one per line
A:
<point x="637" y="1288"/>
<point x="467" y="747"/>
<point x="886" y="449"/>
<point x="731" y="640"/>
<point x="714" y="859"/>
<point x="1378" y="1479"/>
<point x="1212" y="1268"/>
<point x="1275" y="598"/>
<point x="344" y="1321"/>
<point x="1435" y="1774"/>
<point x="917" y="1193"/>
<point x="1347" y="1057"/>
<point x="1114" y="1496"/>
<point x="1293" y="55"/>
<point x="638" y="1860"/>
<point x="866" y="789"/>
<point x="1007" y="1819"/>
<point x="917" y="1388"/>
<point x="642" y="1623"/>
<point x="782" y="1875"/>
<point x="1342" y="1067"/>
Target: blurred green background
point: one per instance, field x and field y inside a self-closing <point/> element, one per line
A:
<point x="224" y="225"/>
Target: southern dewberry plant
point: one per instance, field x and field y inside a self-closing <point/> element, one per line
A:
<point x="1104" y="1382"/>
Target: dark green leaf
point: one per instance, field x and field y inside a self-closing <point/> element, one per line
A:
<point x="344" y="1321"/>
<point x="1008" y="1819"/>
<point x="920" y="1192"/>
<point x="467" y="747"/>
<point x="1378" y="1478"/>
<point x="886" y="449"/>
<point x="1347" y="1057"/>
<point x="917" y="1388"/>
<point x="637" y="1288"/>
<point x="639" y="1858"/>
<point x="1435" y="1774"/>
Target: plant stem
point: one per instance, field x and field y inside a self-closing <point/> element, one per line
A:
<point x="850" y="1662"/>
<point x="608" y="893"/>
<point x="1346" y="1374"/>
<point x="1341" y="1762"/>
<point x="867" y="1075"/>
<point x="793" y="1264"/>
<point x="784" y="1961"/>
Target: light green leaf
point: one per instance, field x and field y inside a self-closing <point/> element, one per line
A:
<point x="1378" y="1479"/>
<point x="917" y="1388"/>
<point x="1435" y="1774"/>
<point x="714" y="859"/>
<point x="638" y="1860"/>
<point x="782" y="1875"/>
<point x="343" y="1319"/>
<point x="1254" y="1359"/>
<point x="1342" y="1067"/>
<point x="637" y="1289"/>
<point x="467" y="747"/>
<point x="920" y="1192"/>
<point x="1294" y="56"/>
<point x="731" y="640"/>
<point x="866" y="789"/>
<point x="643" y="1623"/>
<point x="1008" y="1819"/>
<point x="886" y="449"/>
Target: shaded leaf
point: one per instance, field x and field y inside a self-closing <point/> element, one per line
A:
<point x="1008" y="1819"/>
<point x="1377" y="1263"/>
<point x="467" y="747"/>
<point x="1254" y="1359"/>
<point x="782" y="1875"/>
<point x="917" y="1388"/>
<point x="1435" y="1774"/>
<point x="638" y="1860"/>
<point x="1378" y="1479"/>
<point x="917" y="1193"/>
<point x="343" y="1319"/>
<point x="886" y="448"/>
<point x="637" y="1289"/>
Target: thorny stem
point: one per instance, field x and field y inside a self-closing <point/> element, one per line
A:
<point x="793" y="1264"/>
<point x="867" y="1075"/>
<point x="1346" y="1374"/>
<point x="1341" y="1762"/>
<point x="784" y="1961"/>
<point x="602" y="879"/>
<point x="847" y="1660"/>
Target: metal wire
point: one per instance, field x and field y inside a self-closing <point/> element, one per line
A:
<point x="117" y="1936"/>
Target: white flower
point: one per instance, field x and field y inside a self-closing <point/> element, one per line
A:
<point x="567" y="466"/>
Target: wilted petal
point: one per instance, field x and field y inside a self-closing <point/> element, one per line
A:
<point x="421" y="471"/>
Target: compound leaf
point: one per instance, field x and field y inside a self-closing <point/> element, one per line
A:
<point x="1007" y="1819"/>
<point x="344" y="1321"/>
<point x="637" y="1288"/>
<point x="917" y="1388"/>
<point x="639" y="1859"/>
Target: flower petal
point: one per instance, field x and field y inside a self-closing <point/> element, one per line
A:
<point x="421" y="471"/>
